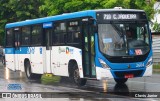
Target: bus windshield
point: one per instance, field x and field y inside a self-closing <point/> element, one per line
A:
<point x="124" y="39"/>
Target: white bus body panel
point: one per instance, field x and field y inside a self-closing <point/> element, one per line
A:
<point x="103" y="73"/>
<point x="36" y="60"/>
<point x="148" y="71"/>
<point x="46" y="60"/>
<point x="16" y="59"/>
<point x="54" y="61"/>
<point x="60" y="57"/>
<point x="21" y="61"/>
<point x="10" y="62"/>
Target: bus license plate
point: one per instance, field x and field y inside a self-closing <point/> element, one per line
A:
<point x="128" y="75"/>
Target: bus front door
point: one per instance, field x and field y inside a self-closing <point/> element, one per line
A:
<point x="17" y="48"/>
<point x="48" y="47"/>
<point x="88" y="50"/>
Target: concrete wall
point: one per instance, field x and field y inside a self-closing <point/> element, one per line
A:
<point x="156" y="49"/>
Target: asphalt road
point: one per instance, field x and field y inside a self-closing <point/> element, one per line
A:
<point x="105" y="90"/>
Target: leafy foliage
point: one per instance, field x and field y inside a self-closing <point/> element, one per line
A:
<point x="61" y="6"/>
<point x="156" y="27"/>
<point x="18" y="10"/>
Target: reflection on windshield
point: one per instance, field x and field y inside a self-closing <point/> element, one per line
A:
<point x="123" y="39"/>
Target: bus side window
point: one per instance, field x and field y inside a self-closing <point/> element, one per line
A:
<point x="55" y="39"/>
<point x="59" y="33"/>
<point x="25" y="36"/>
<point x="9" y="38"/>
<point x="17" y="37"/>
<point x="77" y="37"/>
<point x="74" y="35"/>
<point x="36" y="35"/>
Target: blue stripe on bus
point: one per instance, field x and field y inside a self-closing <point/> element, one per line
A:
<point x="53" y="18"/>
<point x="22" y="50"/>
<point x="9" y="50"/>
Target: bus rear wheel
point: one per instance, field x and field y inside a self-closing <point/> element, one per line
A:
<point x="29" y="73"/>
<point x="76" y="77"/>
<point x="121" y="81"/>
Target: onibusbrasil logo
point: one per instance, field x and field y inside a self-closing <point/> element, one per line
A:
<point x="14" y="87"/>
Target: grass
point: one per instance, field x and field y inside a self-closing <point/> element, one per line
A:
<point x="157" y="66"/>
<point x="49" y="79"/>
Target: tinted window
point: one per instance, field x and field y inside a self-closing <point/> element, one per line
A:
<point x="74" y="35"/>
<point x="36" y="35"/>
<point x="9" y="38"/>
<point x="25" y="36"/>
<point x="59" y="36"/>
<point x="17" y="37"/>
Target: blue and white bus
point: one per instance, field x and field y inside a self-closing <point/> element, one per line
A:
<point x="92" y="44"/>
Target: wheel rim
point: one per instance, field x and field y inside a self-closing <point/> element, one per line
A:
<point x="76" y="75"/>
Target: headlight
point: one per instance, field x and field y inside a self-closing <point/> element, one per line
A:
<point x="149" y="62"/>
<point x="104" y="65"/>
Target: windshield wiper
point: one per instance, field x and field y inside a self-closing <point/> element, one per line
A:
<point x="121" y="34"/>
<point x="117" y="30"/>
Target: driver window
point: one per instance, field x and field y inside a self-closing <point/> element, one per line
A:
<point x="142" y="34"/>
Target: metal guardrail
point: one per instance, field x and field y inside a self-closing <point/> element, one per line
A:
<point x="156" y="50"/>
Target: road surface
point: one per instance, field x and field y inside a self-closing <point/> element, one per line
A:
<point x="65" y="90"/>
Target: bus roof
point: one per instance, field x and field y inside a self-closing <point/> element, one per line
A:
<point x="119" y="10"/>
<point x="66" y="16"/>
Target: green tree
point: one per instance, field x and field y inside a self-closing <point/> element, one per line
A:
<point x="64" y="6"/>
<point x="156" y="27"/>
<point x="54" y="7"/>
<point x="131" y="4"/>
<point x="17" y="10"/>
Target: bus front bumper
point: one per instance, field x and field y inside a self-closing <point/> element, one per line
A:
<point x="127" y="73"/>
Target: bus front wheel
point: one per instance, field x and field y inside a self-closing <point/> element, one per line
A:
<point x="76" y="77"/>
<point x="121" y="81"/>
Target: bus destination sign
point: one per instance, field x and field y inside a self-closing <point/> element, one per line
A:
<point x="103" y="17"/>
<point x="119" y="16"/>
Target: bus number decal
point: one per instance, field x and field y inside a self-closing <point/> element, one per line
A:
<point x="107" y="16"/>
<point x="140" y="64"/>
<point x="31" y="50"/>
<point x="40" y="50"/>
